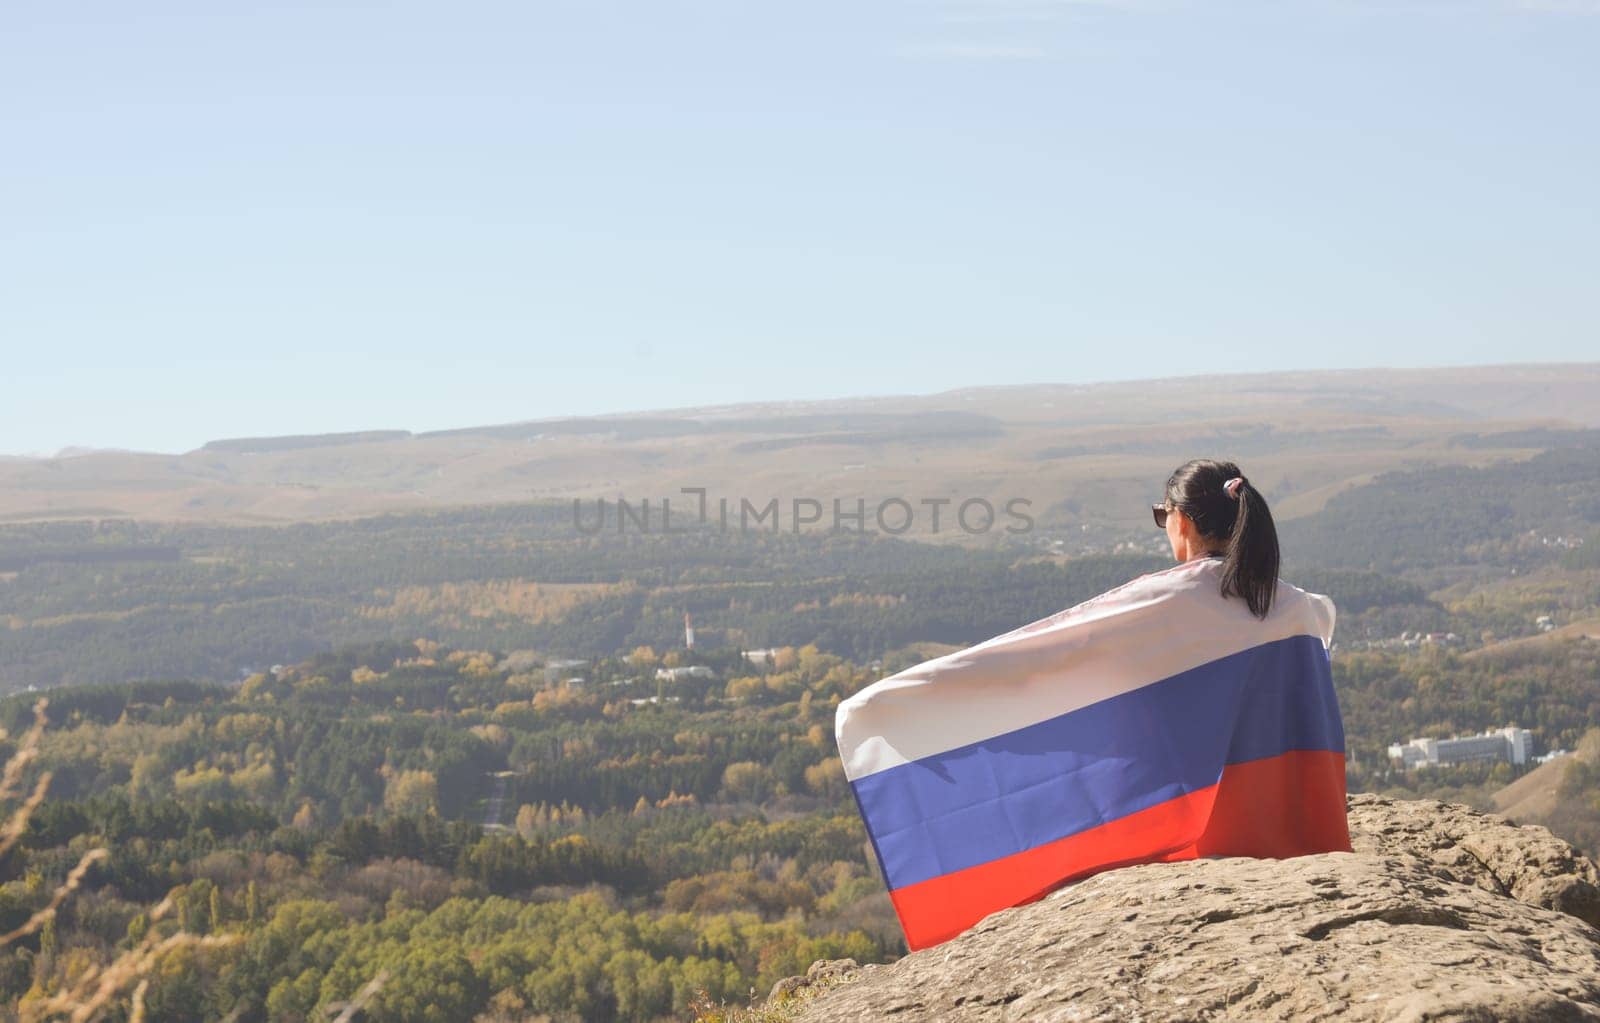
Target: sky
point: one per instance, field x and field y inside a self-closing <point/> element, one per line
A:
<point x="229" y="219"/>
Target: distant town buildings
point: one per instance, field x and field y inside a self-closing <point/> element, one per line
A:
<point x="644" y="701"/>
<point x="761" y="656"/>
<point x="561" y="671"/>
<point x="1513" y="745"/>
<point x="1409" y="641"/>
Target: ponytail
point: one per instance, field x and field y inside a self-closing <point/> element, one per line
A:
<point x="1224" y="506"/>
<point x="1250" y="566"/>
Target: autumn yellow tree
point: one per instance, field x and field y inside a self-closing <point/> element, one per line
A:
<point x="412" y="792"/>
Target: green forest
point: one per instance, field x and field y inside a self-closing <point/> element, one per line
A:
<point x="331" y="820"/>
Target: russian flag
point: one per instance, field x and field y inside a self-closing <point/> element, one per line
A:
<point x="1158" y="721"/>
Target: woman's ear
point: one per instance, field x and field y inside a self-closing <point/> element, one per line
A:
<point x="1188" y="537"/>
<point x="1185" y="524"/>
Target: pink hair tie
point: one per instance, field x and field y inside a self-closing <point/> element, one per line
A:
<point x="1233" y="485"/>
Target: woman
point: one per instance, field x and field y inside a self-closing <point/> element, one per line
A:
<point x="1212" y="511"/>
<point x="1187" y="713"/>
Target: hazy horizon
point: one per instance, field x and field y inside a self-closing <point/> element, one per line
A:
<point x="68" y="450"/>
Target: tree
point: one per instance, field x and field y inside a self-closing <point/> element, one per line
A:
<point x="746" y="780"/>
<point x="412" y="792"/>
<point x="433" y="984"/>
<point x="643" y="658"/>
<point x="827" y="778"/>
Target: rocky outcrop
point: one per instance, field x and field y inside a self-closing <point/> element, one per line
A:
<point x="1456" y="843"/>
<point x="1441" y="913"/>
<point x="823" y="973"/>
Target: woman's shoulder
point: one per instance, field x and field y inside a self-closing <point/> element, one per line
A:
<point x="1316" y="608"/>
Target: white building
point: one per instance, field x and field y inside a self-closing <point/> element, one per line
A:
<point x="688" y="671"/>
<point x="1509" y="744"/>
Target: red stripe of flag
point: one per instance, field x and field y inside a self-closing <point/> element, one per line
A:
<point x="1220" y="820"/>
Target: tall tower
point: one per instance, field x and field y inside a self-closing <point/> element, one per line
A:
<point x="688" y="631"/>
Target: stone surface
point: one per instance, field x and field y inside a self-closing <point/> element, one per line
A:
<point x="1457" y="843"/>
<point x="1440" y="914"/>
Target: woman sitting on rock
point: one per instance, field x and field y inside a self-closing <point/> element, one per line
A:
<point x="1187" y="713"/>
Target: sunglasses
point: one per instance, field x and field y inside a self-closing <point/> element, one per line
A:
<point x="1160" y="512"/>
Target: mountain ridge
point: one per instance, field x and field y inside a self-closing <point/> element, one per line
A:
<point x="1306" y="435"/>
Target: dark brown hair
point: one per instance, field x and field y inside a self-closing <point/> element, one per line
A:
<point x="1250" y="562"/>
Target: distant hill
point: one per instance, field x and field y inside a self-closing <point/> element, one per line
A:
<point x="1084" y="455"/>
<point x="261" y="445"/>
<point x="1588" y="629"/>
<point x="1534" y="796"/>
<point x="1510" y="512"/>
<point x="1558" y="794"/>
